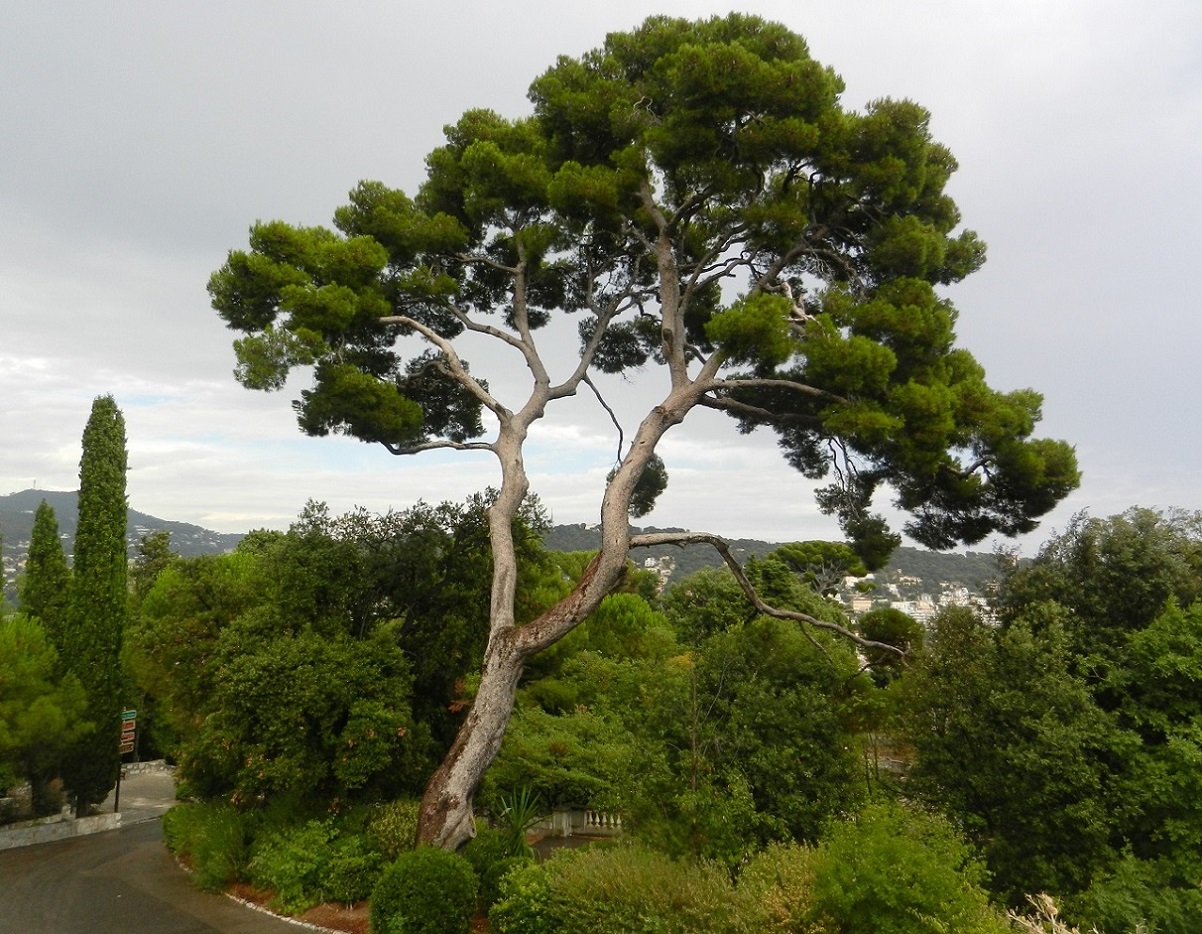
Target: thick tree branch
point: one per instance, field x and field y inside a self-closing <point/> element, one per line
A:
<point x="568" y="386"/>
<point x="469" y="260"/>
<point x="405" y="449"/>
<point x="458" y="370"/>
<point x="769" y="383"/>
<point x="758" y="414"/>
<point x="965" y="472"/>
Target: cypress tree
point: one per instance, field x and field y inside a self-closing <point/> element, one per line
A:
<point x="43" y="590"/>
<point x="98" y="603"/>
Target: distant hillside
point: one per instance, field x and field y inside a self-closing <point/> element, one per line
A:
<point x="16" y="526"/>
<point x="972" y="569"/>
<point x="688" y="559"/>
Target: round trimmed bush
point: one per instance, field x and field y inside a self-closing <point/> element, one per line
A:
<point x="426" y="891"/>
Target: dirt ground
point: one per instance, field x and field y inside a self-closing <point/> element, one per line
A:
<point x="351" y="919"/>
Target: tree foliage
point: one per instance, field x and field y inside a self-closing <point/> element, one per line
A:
<point x="696" y="195"/>
<point x="41" y="711"/>
<point x="98" y="606"/>
<point x="1010" y="743"/>
<point x="709" y="749"/>
<point x="1066" y="739"/>
<point x="895" y="628"/>
<point x="709" y="136"/>
<point x="1115" y="576"/>
<point x="43" y="590"/>
<point x="323" y="663"/>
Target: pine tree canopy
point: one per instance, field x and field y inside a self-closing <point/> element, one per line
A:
<point x="698" y="197"/>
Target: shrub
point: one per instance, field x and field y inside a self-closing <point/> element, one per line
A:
<point x="426" y="891"/>
<point x="487" y="847"/>
<point x="779" y="881"/>
<point x="494" y="875"/>
<point x="619" y="890"/>
<point x="317" y="861"/>
<point x="1136" y="894"/>
<point x="523" y="904"/>
<point x="897" y="870"/>
<point x="489" y="855"/>
<point x="394" y="827"/>
<point x="354" y="868"/>
<point x="294" y="862"/>
<point x="214" y="838"/>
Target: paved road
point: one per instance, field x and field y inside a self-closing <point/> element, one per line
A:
<point x="119" y="882"/>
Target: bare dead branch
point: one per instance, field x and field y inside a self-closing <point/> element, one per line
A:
<point x="605" y="405"/>
<point x="654" y="539"/>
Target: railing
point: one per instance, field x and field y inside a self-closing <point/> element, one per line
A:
<point x="582" y="822"/>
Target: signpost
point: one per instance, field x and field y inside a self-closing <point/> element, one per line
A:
<point x="129" y="726"/>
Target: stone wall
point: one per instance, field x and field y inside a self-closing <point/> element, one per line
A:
<point x="56" y="827"/>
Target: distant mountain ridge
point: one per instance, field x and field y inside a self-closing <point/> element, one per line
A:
<point x="16" y="525"/>
<point x="973" y="570"/>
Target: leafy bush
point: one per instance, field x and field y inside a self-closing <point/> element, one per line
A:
<point x="487" y="847"/>
<point x="304" y="863"/>
<point x="317" y="861"/>
<point x="490" y="856"/>
<point x="354" y="868"/>
<point x="394" y="827"/>
<point x="493" y="876"/>
<point x="426" y="891"/>
<point x="294" y="863"/>
<point x="214" y="838"/>
<point x="619" y="890"/>
<point x="1140" y="894"/>
<point x="780" y="881"/>
<point x="897" y="870"/>
<point x="523" y="904"/>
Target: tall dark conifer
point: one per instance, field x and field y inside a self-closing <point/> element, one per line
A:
<point x="98" y="602"/>
<point x="43" y="591"/>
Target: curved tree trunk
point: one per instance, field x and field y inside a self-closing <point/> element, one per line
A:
<point x="446" y="818"/>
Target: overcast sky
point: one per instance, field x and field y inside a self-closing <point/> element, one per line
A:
<point x="139" y="140"/>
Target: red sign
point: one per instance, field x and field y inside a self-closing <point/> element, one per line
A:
<point x="127" y="728"/>
<point x="126" y="747"/>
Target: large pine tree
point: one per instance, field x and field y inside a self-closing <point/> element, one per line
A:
<point x="43" y="590"/>
<point x="693" y="196"/>
<point x="96" y="614"/>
